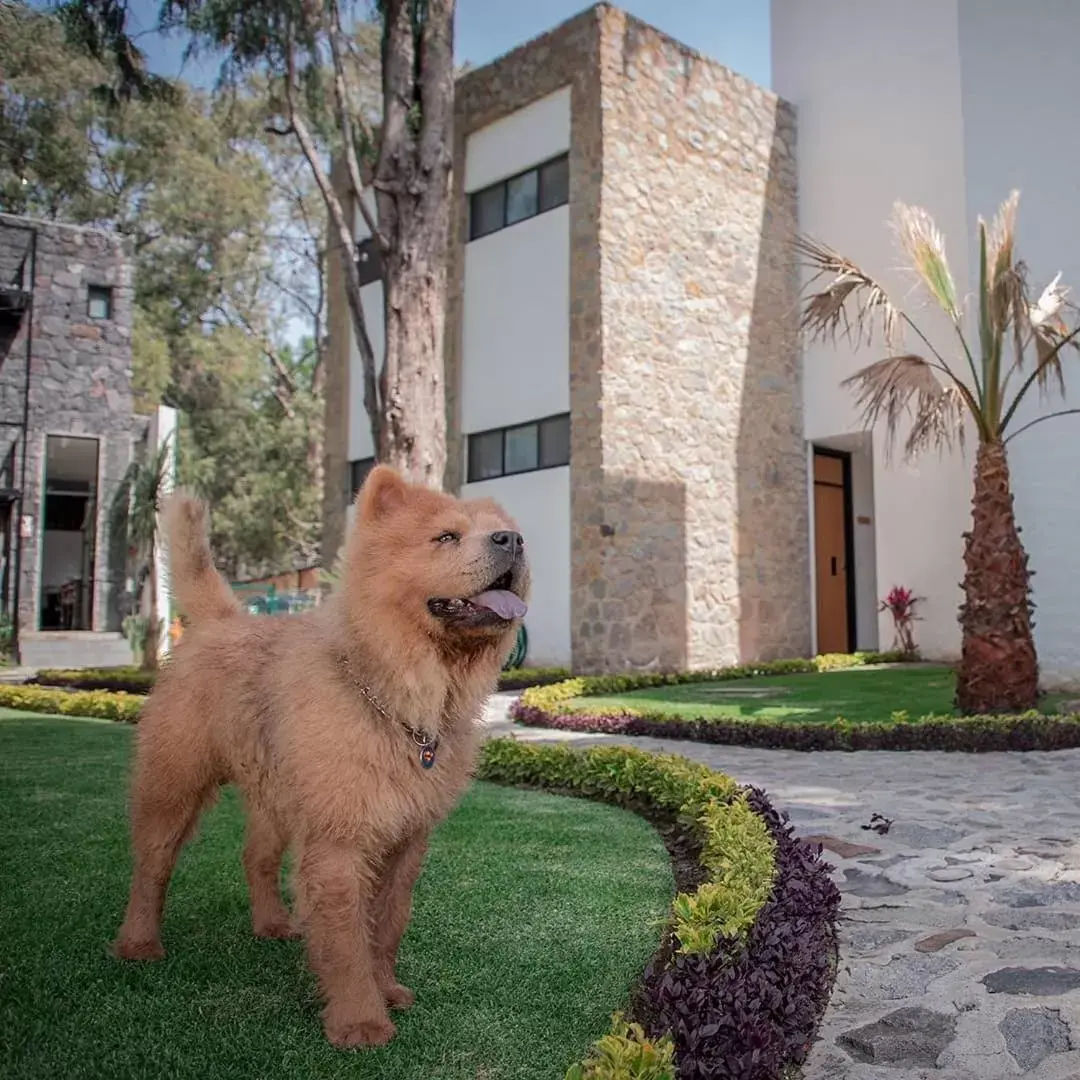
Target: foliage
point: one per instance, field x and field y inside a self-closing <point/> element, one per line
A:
<point x="748" y="1010"/>
<point x="523" y="677"/>
<point x="739" y="1004"/>
<point x="627" y="1053"/>
<point x="98" y="704"/>
<point x="972" y="734"/>
<point x="901" y="603"/>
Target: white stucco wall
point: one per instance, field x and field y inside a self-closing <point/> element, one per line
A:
<point x="877" y="92"/>
<point x="540" y="504"/>
<point x="1036" y="42"/>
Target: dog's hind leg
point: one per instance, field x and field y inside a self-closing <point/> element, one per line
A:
<point x="262" y="867"/>
<point x="165" y="811"/>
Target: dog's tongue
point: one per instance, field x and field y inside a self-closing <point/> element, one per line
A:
<point x="505" y="604"/>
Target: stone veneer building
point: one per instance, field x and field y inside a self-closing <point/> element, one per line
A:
<point x="622" y="363"/>
<point x="67" y="434"/>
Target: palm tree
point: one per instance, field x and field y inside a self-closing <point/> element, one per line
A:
<point x="937" y="394"/>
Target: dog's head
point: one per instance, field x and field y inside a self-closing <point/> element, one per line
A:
<point x="457" y="567"/>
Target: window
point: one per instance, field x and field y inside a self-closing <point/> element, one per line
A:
<point x="369" y="261"/>
<point x="99" y="302"/>
<point x="540" y="444"/>
<point x="358" y="471"/>
<point x="520" y="197"/>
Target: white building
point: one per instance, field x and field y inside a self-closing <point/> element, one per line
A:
<point x="947" y="104"/>
<point x="622" y="360"/>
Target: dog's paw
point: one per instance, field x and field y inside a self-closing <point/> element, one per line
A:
<point x="398" y="996"/>
<point x="125" y="949"/>
<point x="280" y="929"/>
<point x="350" y="1032"/>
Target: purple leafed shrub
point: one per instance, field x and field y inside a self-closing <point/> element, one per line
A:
<point x="746" y="1012"/>
<point x="973" y="734"/>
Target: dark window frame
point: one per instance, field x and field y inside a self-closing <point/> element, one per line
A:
<point x="99" y="292"/>
<point x="364" y="466"/>
<point x="470" y="464"/>
<point x="540" y="170"/>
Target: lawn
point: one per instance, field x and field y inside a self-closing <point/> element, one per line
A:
<point x="534" y="916"/>
<point x="861" y="695"/>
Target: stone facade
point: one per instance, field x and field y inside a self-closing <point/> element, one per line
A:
<point x="689" y="503"/>
<point x="79" y="384"/>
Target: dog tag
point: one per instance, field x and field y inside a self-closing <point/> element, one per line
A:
<point x="427" y="756"/>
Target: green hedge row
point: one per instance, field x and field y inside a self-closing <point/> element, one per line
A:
<point x="99" y="704"/>
<point x="133" y="680"/>
<point x="738" y="856"/>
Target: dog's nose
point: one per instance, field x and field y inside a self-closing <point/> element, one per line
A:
<point x="510" y="542"/>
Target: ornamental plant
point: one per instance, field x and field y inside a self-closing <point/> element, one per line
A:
<point x="900" y="604"/>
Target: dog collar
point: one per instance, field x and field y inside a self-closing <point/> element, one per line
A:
<point x="428" y="744"/>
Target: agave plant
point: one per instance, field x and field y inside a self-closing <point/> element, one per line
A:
<point x="935" y="394"/>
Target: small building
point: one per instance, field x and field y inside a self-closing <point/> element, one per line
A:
<point x="622" y="364"/>
<point x="67" y="437"/>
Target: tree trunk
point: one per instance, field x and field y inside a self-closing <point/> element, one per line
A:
<point x="999" y="671"/>
<point x="153" y="632"/>
<point x="413" y="196"/>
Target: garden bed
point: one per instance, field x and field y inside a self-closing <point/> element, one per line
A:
<point x="820" y="704"/>
<point x="740" y="984"/>
<point x="133" y="680"/>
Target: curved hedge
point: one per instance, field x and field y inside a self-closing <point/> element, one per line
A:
<point x="548" y="707"/>
<point x="738" y="991"/>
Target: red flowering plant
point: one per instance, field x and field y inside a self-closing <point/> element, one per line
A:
<point x="900" y="604"/>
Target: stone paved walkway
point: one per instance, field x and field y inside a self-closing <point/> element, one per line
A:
<point x="960" y="932"/>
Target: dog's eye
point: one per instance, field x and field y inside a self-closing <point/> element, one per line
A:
<point x="448" y="538"/>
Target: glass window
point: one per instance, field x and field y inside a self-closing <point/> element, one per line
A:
<point x="485" y="455"/>
<point x="521" y="197"/>
<point x="358" y="472"/>
<point x="522" y="449"/>
<point x="555" y="442"/>
<point x="99" y="302"/>
<point x="555" y="183"/>
<point x="488" y="209"/>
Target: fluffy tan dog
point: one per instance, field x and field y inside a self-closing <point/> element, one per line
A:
<point x="351" y="731"/>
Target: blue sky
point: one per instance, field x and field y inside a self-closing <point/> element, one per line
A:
<point x="735" y="32"/>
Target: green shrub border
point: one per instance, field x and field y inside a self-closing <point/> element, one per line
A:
<point x="133" y="680"/>
<point x="738" y="856"/>
<point x="548" y="707"/>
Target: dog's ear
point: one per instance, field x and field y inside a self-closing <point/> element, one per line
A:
<point x="384" y="490"/>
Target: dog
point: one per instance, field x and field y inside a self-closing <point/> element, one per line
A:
<point x="351" y="731"/>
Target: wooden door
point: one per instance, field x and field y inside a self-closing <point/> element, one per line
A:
<point x="831" y="548"/>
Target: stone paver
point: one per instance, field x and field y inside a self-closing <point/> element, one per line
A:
<point x="960" y="928"/>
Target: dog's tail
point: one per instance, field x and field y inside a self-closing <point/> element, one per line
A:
<point x="201" y="592"/>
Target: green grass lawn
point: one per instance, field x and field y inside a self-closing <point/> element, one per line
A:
<point x="861" y="695"/>
<point x="533" y="918"/>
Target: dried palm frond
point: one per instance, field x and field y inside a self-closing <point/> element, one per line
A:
<point x="826" y="313"/>
<point x="924" y="244"/>
<point x="906" y="385"/>
<point x="1001" y="237"/>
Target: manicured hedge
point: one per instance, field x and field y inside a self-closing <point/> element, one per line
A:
<point x="100" y="704"/>
<point x="548" y="707"/>
<point x="747" y="975"/>
<point x="133" y="680"/>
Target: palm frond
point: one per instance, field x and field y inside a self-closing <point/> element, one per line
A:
<point x="826" y="313"/>
<point x="924" y="244"/>
<point x="1001" y="236"/>
<point x="905" y="386"/>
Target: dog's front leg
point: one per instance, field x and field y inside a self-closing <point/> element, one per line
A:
<point x="391" y="913"/>
<point x="335" y="889"/>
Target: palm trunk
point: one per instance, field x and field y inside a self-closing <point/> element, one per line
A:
<point x="999" y="671"/>
<point x="153" y="632"/>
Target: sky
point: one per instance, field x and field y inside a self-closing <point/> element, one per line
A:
<point x="735" y="32"/>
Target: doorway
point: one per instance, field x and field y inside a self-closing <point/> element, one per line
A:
<point x="69" y="533"/>
<point x="834" y="560"/>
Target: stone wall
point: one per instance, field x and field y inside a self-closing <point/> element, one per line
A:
<point x="691" y="540"/>
<point x="80" y="384"/>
